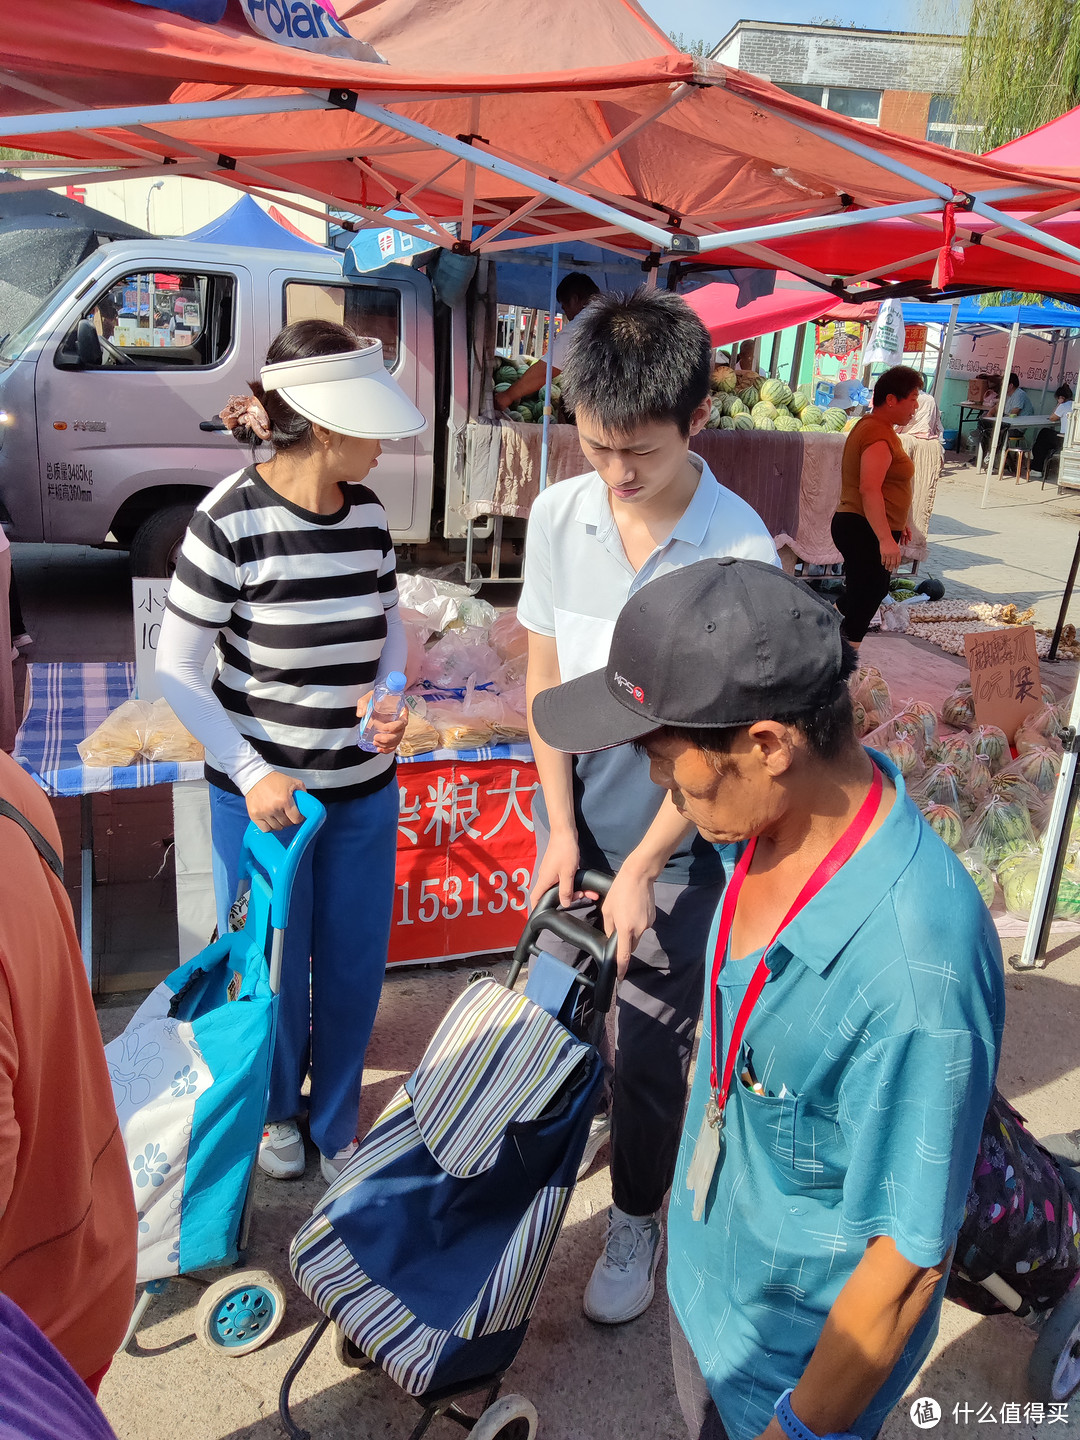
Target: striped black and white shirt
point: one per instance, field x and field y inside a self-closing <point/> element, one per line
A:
<point x="299" y="601"/>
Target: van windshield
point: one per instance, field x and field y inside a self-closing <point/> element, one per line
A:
<point x="14" y="344"/>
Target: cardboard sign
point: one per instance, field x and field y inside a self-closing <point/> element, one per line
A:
<point x="1004" y="669"/>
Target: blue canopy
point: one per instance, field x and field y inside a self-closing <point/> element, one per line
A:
<point x="372" y="249"/>
<point x="1041" y="317"/>
<point x="248" y="225"/>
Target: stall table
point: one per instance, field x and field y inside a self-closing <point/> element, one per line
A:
<point x="465" y="847"/>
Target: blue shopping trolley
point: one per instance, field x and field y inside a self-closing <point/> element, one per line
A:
<point x="190" y="1078"/>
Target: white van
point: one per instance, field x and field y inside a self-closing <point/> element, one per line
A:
<point x="109" y="393"/>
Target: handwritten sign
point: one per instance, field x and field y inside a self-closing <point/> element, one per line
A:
<point x="148" y="605"/>
<point x="1004" y="670"/>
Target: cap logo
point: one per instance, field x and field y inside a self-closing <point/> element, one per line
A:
<point x="634" y="690"/>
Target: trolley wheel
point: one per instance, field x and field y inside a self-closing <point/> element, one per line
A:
<point x="511" y="1418"/>
<point x="1054" y="1367"/>
<point x="348" y="1354"/>
<point x="240" y="1312"/>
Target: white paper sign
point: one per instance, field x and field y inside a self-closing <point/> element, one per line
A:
<point x="886" y="345"/>
<point x="148" y="605"/>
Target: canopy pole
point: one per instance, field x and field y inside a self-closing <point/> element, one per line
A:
<point x="1000" y="411"/>
<point x="796" y="359"/>
<point x="1021" y="227"/>
<point x="945" y="352"/>
<point x="548" y="376"/>
<point x="1049" y="370"/>
<point x="774" y="355"/>
<point x="122" y="116"/>
<point x="843" y="220"/>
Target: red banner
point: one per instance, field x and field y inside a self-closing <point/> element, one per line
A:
<point x="465" y="857"/>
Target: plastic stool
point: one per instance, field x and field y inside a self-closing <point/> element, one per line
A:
<point x="1023" y="460"/>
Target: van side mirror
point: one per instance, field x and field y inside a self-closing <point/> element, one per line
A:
<point x="88" y="344"/>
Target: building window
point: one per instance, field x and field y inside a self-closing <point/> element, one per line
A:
<point x="856" y="104"/>
<point x="370" y="310"/>
<point x="942" y="128"/>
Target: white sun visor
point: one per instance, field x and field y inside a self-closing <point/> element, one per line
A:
<point x="350" y="394"/>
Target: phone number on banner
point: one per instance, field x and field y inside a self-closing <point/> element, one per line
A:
<point x="464" y="859"/>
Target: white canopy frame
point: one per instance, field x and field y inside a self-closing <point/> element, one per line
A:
<point x="549" y="194"/>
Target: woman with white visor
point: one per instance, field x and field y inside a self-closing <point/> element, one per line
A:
<point x="287" y="569"/>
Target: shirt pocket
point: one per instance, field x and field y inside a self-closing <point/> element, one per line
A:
<point x="818" y="1152"/>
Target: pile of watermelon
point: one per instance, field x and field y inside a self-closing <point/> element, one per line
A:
<point x="529" y="408"/>
<point x="741" y="402"/>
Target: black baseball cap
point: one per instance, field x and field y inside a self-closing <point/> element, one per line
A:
<point x="718" y="643"/>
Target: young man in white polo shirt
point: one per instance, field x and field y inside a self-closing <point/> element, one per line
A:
<point x="637" y="377"/>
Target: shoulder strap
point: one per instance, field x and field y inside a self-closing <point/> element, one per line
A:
<point x="41" y="845"/>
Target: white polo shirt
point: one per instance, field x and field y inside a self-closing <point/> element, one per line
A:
<point x="577" y="580"/>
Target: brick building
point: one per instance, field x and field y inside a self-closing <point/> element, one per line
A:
<point x="902" y="82"/>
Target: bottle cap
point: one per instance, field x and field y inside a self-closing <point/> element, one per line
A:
<point x="396" y="682"/>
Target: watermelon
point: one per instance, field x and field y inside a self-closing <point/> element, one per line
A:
<point x="786" y="421"/>
<point x="763" y="410"/>
<point x="764" y="423"/>
<point x="727" y="423"/>
<point x="981" y="873"/>
<point x="724" y="378"/>
<point x="812" y="415"/>
<point x="744" y="422"/>
<point x="835" y="419"/>
<point x="737" y="407"/>
<point x="504" y="385"/>
<point x="799" y="401"/>
<point x="749" y="396"/>
<point x="815" y="429"/>
<point x="945" y="822"/>
<point x="715" y="416"/>
<point x="776" y="392"/>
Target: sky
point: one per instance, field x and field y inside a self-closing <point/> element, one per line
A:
<point x="710" y="20"/>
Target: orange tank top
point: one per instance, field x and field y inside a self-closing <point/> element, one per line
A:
<point x="895" y="488"/>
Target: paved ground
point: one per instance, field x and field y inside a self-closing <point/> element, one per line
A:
<point x="587" y="1383"/>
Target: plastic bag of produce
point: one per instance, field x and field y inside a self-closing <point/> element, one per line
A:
<point x="1018" y="874"/>
<point x="460" y="656"/>
<point x="1000" y="828"/>
<point x="120" y="736"/>
<point x="508" y="637"/>
<point x="921" y="711"/>
<point x="871" y="699"/>
<point x="166" y="739"/>
<point x="976" y="866"/>
<point x="900" y="727"/>
<point x="954" y="750"/>
<point x="978" y="787"/>
<point x="458" y="728"/>
<point x="941" y="785"/>
<point x="906" y="758"/>
<point x="1011" y="785"/>
<point x="1039" y="767"/>
<point x="1039" y="730"/>
<point x="958" y="709"/>
<point x="945" y="822"/>
<point x="420" y="737"/>
<point x="988" y="740"/>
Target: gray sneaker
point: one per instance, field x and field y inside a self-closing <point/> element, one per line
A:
<point x="1064" y="1147"/>
<point x="281" y="1153"/>
<point x="333" y="1165"/>
<point x="624" y="1278"/>
<point x="599" y="1135"/>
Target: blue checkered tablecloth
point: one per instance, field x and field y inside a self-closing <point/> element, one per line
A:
<point x="66" y="700"/>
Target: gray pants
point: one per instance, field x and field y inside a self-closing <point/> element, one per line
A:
<point x="657" y="1012"/>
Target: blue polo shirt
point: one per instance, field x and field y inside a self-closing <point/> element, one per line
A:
<point x="577" y="579"/>
<point x="876" y="1041"/>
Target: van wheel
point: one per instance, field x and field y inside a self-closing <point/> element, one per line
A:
<point x="156" y="543"/>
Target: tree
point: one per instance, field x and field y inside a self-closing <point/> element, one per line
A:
<point x="1020" y="66"/>
<point x="701" y="48"/>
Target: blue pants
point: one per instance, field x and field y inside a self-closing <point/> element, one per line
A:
<point x="335" y="953"/>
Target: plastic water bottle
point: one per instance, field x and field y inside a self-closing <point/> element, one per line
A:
<point x="386" y="703"/>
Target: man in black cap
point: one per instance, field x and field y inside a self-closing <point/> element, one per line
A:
<point x="853" y="983"/>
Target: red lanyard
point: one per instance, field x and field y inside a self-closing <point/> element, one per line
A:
<point x="841" y="852"/>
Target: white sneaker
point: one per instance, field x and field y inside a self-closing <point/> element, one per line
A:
<point x="599" y="1135"/>
<point x="623" y="1279"/>
<point x="333" y="1165"/>
<point x="281" y="1153"/>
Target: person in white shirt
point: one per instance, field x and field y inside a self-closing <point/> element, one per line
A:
<point x="637" y="375"/>
<point x="574" y="293"/>
<point x="1049" y="440"/>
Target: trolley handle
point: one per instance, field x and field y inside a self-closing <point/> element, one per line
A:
<point x="599" y="947"/>
<point x="280" y="861"/>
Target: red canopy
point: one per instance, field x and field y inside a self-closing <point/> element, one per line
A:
<point x="717" y="307"/>
<point x="1053" y="147"/>
<point x="600" y="129"/>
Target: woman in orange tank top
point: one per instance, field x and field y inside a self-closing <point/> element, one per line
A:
<point x="871" y="520"/>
